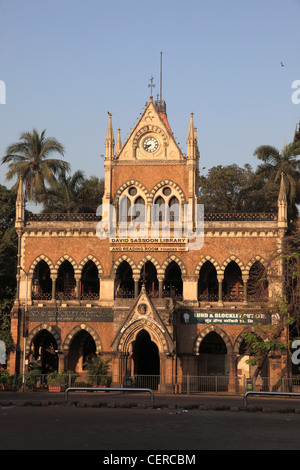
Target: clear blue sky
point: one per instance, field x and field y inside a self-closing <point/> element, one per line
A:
<point x="66" y="63"/>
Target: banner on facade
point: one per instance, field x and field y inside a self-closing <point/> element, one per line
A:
<point x="71" y="315"/>
<point x="228" y="318"/>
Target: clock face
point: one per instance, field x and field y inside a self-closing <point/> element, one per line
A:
<point x="150" y="144"/>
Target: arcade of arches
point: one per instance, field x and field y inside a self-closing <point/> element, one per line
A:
<point x="66" y="285"/>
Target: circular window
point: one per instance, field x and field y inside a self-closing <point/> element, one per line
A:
<point x="132" y="191"/>
<point x="167" y="191"/>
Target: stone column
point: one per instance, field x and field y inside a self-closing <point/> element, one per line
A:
<point x="220" y="285"/>
<point x="160" y="286"/>
<point x="190" y="288"/>
<point x="136" y="285"/>
<point x="245" y="282"/>
<point x="54" y="278"/>
<point x="77" y="291"/>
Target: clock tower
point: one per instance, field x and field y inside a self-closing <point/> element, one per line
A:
<point x="151" y="156"/>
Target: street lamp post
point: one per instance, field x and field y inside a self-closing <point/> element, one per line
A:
<point x="24" y="328"/>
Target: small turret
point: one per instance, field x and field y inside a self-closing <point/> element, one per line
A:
<point x="191" y="139"/>
<point x="109" y="141"/>
<point x="282" y="205"/>
<point x="20" y="207"/>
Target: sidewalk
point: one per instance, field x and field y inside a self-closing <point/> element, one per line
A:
<point x="112" y="399"/>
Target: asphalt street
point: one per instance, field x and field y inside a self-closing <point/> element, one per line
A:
<point x="38" y="421"/>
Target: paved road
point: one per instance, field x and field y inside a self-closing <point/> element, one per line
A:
<point x="56" y="427"/>
<point x="159" y="399"/>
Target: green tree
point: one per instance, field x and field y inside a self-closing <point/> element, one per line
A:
<point x="287" y="162"/>
<point x="8" y="261"/>
<point x="73" y="194"/>
<point x="63" y="194"/>
<point x="286" y="309"/>
<point x="98" y="369"/>
<point x="29" y="157"/>
<point x="234" y="189"/>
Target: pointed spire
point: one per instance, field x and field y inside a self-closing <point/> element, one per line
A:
<point x="282" y="191"/>
<point x="119" y="143"/>
<point x="109" y="141"/>
<point x="20" y="206"/>
<point x="191" y="133"/>
<point x="282" y="205"/>
<point x="20" y="194"/>
<point x="191" y="139"/>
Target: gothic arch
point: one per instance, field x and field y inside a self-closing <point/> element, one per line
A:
<point x="177" y="260"/>
<point x="91" y="258"/>
<point x="153" y="261"/>
<point x="203" y="260"/>
<point x="77" y="329"/>
<point x="43" y="326"/>
<point x="119" y="261"/>
<point x="176" y="190"/>
<point x="140" y="186"/>
<point x="155" y="331"/>
<point x="206" y="331"/>
<point x="235" y="259"/>
<point x="36" y="262"/>
<point x="261" y="260"/>
<point x="241" y="336"/>
<point x="65" y="258"/>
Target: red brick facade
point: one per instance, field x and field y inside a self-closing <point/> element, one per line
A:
<point x="151" y="305"/>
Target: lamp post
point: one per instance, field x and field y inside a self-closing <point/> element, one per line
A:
<point x="24" y="328"/>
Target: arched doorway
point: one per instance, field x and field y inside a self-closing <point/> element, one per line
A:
<point x="45" y="352"/>
<point x="213" y="356"/>
<point x="146" y="361"/>
<point x="81" y="349"/>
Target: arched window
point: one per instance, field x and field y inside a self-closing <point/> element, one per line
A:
<point x="124" y="284"/>
<point x="41" y="282"/>
<point x="159" y="209"/>
<point x="173" y="282"/>
<point x="258" y="283"/>
<point x="174" y="209"/>
<point x="208" y="283"/>
<point x="65" y="284"/>
<point x="90" y="281"/>
<point x="149" y="278"/>
<point x="233" y="290"/>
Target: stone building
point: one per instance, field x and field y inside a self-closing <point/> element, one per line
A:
<point x="149" y="281"/>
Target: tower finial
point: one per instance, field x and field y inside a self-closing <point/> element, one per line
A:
<point x="151" y="85"/>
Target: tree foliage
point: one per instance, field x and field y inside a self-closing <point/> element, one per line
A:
<point x="30" y="158"/>
<point x="8" y="261"/>
<point x="234" y="189"/>
<point x="73" y="194"/>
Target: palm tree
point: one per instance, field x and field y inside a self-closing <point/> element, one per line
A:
<point x="286" y="162"/>
<point x="29" y="158"/>
<point x="74" y="194"/>
<point x="64" y="195"/>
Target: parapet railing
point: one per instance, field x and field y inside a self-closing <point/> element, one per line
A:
<point x="253" y="392"/>
<point x="109" y="389"/>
